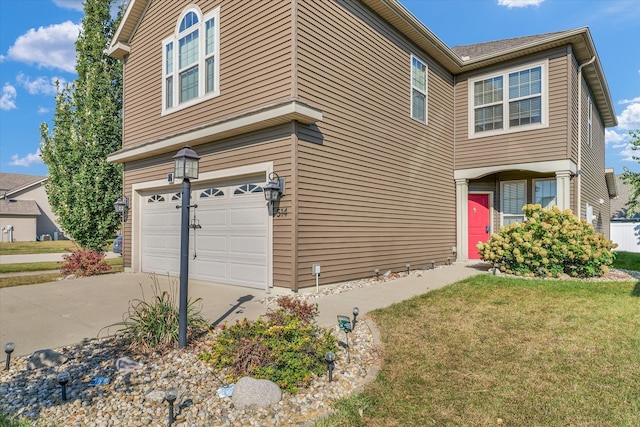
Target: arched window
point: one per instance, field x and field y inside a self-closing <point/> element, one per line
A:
<point x="156" y="198"/>
<point x="190" y="63"/>
<point x="176" y="196"/>
<point x="248" y="189"/>
<point x="211" y="192"/>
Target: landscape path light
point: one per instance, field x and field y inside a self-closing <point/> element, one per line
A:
<point x="356" y="311"/>
<point x="8" y="348"/>
<point x="344" y="323"/>
<point x="186" y="165"/>
<point x="63" y="380"/>
<point x="330" y="358"/>
<point x="170" y="395"/>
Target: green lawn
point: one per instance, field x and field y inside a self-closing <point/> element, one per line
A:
<point x="50" y="247"/>
<point x="627" y="260"/>
<point x="516" y="352"/>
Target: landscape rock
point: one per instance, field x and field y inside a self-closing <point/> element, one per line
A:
<point x="124" y="365"/>
<point x="250" y="393"/>
<point x="45" y="358"/>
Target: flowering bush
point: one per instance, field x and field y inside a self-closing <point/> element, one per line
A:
<point x="549" y="243"/>
<point x="84" y="262"/>
<point x="285" y="346"/>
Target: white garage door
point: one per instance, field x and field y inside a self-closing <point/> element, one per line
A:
<point x="230" y="247"/>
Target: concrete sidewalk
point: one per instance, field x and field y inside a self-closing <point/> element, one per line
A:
<point x="52" y="315"/>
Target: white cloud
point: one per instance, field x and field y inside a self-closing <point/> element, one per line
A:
<point x="8" y="98"/>
<point x="43" y="85"/>
<point x="519" y="3"/>
<point x="70" y="4"/>
<point x="629" y="101"/>
<point x="49" y="47"/>
<point x="28" y="160"/>
<point x="630" y="117"/>
<point x="616" y="139"/>
<point x="43" y="110"/>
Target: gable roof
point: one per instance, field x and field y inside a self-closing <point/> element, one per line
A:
<point x="19" y="207"/>
<point x="479" y="55"/>
<point x="13" y="182"/>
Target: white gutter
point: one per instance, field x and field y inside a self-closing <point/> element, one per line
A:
<point x="579" y="175"/>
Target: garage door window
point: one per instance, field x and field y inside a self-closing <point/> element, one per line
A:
<point x="211" y="192"/>
<point x="177" y="196"/>
<point x="156" y="198"/>
<point x="248" y="189"/>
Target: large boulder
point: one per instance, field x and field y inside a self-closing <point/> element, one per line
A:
<point x="250" y="393"/>
<point x="45" y="358"/>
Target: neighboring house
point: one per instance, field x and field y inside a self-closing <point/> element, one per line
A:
<point x="395" y="149"/>
<point x="625" y="229"/>
<point x="25" y="213"/>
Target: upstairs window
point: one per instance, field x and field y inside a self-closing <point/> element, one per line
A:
<point x="418" y="90"/>
<point x="190" y="62"/>
<point x="508" y="102"/>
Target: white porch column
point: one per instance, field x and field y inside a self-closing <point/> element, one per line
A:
<point x="462" y="219"/>
<point x="563" y="189"/>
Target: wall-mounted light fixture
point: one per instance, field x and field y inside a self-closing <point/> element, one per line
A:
<point x="122" y="207"/>
<point x="273" y="191"/>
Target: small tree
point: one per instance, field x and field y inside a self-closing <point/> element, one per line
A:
<point x="633" y="178"/>
<point x="82" y="185"/>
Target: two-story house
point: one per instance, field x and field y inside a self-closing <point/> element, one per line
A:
<point x="395" y="149"/>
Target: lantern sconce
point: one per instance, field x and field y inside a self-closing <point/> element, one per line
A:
<point x="122" y="207"/>
<point x="273" y="191"/>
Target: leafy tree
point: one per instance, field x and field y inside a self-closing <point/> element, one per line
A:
<point x="87" y="127"/>
<point x="633" y="178"/>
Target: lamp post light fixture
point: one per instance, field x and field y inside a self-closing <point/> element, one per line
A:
<point x="170" y="395"/>
<point x="273" y="191"/>
<point x="122" y="207"/>
<point x="63" y="380"/>
<point x="356" y="311"/>
<point x="330" y="358"/>
<point x="8" y="348"/>
<point x="186" y="164"/>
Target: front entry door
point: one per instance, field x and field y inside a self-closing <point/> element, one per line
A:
<point x="479" y="225"/>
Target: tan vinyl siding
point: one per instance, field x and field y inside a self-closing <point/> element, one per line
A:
<point x="271" y="144"/>
<point x="594" y="187"/>
<point x="255" y="66"/>
<point x="375" y="187"/>
<point x="544" y="144"/>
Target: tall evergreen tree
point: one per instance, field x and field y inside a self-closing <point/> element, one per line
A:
<point x="87" y="127"/>
<point x="633" y="178"/>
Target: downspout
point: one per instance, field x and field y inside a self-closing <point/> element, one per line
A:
<point x="579" y="167"/>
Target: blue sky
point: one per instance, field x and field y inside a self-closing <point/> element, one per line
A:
<point x="37" y="48"/>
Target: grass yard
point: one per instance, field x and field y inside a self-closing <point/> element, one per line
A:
<point x="627" y="260"/>
<point x="515" y="352"/>
<point x="50" y="247"/>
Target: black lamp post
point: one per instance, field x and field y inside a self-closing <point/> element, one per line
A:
<point x="170" y="396"/>
<point x="8" y="348"/>
<point x="122" y="207"/>
<point x="330" y="358"/>
<point x="186" y="167"/>
<point x="63" y="379"/>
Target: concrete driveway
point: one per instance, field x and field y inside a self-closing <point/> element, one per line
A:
<point x="52" y="315"/>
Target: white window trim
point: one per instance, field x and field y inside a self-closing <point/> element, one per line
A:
<point x="426" y="89"/>
<point x="505" y="101"/>
<point x="533" y="189"/>
<point x="589" y="121"/>
<point x="524" y="181"/>
<point x="174" y="38"/>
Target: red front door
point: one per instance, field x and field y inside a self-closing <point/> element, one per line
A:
<point x="479" y="226"/>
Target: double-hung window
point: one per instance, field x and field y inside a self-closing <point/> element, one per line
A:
<point x="544" y="192"/>
<point x="514" y="197"/>
<point x="190" y="62"/>
<point x="508" y="101"/>
<point x="418" y="89"/>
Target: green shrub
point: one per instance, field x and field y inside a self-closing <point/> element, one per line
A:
<point x="549" y="243"/>
<point x="84" y="262"/>
<point x="153" y="325"/>
<point x="284" y="346"/>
